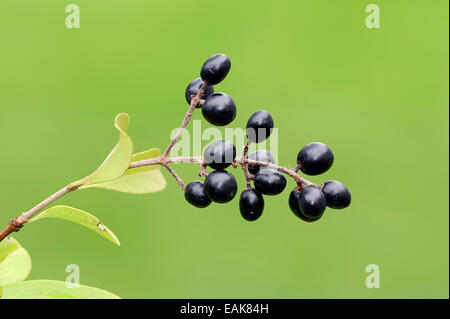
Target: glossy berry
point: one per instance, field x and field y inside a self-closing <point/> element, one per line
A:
<point x="220" y="154"/>
<point x="195" y="194"/>
<point x="259" y="126"/>
<point x="193" y="88"/>
<point x="259" y="155"/>
<point x="337" y="194"/>
<point x="220" y="186"/>
<point x="312" y="202"/>
<point x="215" y="69"/>
<point x="315" y="158"/>
<point x="219" y="109"/>
<point x="295" y="206"/>
<point x="251" y="204"/>
<point x="269" y="182"/>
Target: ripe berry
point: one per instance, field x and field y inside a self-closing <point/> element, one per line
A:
<point x="220" y="154"/>
<point x="220" y="186"/>
<point x="337" y="194"/>
<point x="259" y="155"/>
<point x="193" y="88"/>
<point x="219" y="109"/>
<point x="270" y="182"/>
<point x="215" y="69"/>
<point x="315" y="158"/>
<point x="251" y="204"/>
<point x="195" y="194"/>
<point x="295" y="206"/>
<point x="312" y="202"/>
<point x="259" y="126"/>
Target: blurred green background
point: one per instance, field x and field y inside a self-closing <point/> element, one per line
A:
<point x="378" y="97"/>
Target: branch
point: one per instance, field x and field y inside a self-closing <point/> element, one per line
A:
<point x="177" y="178"/>
<point x="195" y="102"/>
<point x="165" y="160"/>
<point x="242" y="161"/>
<point x="25" y="217"/>
<point x="16" y="224"/>
<point x="244" y="164"/>
<point x="203" y="172"/>
<point x="13" y="226"/>
<point x="301" y="182"/>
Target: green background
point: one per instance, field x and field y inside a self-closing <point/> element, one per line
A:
<point x="378" y="97"/>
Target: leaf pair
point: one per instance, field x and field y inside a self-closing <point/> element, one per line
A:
<point x="140" y="180"/>
<point x="113" y="174"/>
<point x="15" y="266"/>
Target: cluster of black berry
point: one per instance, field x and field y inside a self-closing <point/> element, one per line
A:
<point x="307" y="201"/>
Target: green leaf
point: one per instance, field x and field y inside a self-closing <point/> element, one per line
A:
<point x="51" y="289"/>
<point x="117" y="161"/>
<point x="140" y="180"/>
<point x="15" y="262"/>
<point x="79" y="217"/>
<point x="1" y="291"/>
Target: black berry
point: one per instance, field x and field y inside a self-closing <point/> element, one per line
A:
<point x="220" y="154"/>
<point x="251" y="204"/>
<point x="195" y="194"/>
<point x="295" y="206"/>
<point x="312" y="202"/>
<point x="220" y="186"/>
<point x="219" y="109"/>
<point x="337" y="194"/>
<point x="270" y="182"/>
<point x="259" y="126"/>
<point x="215" y="69"/>
<point x="193" y="88"/>
<point x="315" y="158"/>
<point x="260" y="155"/>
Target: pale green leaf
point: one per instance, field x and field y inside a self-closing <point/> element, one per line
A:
<point x="51" y="289"/>
<point x="15" y="262"/>
<point x="151" y="153"/>
<point x="140" y="180"/>
<point x="79" y="217"/>
<point x="1" y="291"/>
<point x="117" y="162"/>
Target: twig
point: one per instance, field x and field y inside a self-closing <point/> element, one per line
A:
<point x="16" y="224"/>
<point x="301" y="182"/>
<point x="203" y="172"/>
<point x="244" y="165"/>
<point x="163" y="160"/>
<point x="177" y="178"/>
<point x="25" y="217"/>
<point x="195" y="101"/>
<point x="13" y="226"/>
<point x="242" y="161"/>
